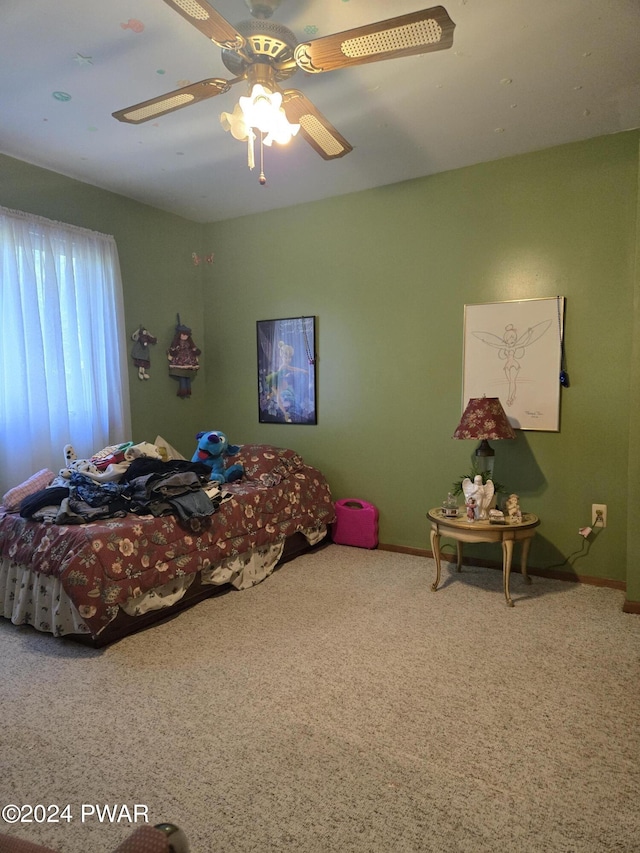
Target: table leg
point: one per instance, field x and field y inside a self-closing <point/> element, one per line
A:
<point x="435" y="548"/>
<point x="507" y="555"/>
<point x="525" y="554"/>
<point x="459" y="555"/>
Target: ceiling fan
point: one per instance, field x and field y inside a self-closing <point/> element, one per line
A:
<point x="264" y="53"/>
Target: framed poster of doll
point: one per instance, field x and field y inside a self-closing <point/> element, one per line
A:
<point x="287" y="371"/>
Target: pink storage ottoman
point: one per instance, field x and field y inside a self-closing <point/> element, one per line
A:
<point x="356" y="523"/>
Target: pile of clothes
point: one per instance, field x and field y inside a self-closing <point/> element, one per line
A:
<point x="123" y="479"/>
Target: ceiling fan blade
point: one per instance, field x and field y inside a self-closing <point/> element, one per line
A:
<point x="315" y="128"/>
<point x="211" y="23"/>
<point x="417" y="32"/>
<point x="175" y="100"/>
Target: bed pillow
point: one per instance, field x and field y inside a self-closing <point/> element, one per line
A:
<point x="268" y="464"/>
<point x="167" y="452"/>
<point x="11" y="501"/>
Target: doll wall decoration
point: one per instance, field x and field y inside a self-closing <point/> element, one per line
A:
<point x="183" y="359"/>
<point x="140" y="351"/>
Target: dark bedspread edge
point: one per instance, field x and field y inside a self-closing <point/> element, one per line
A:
<point x="124" y="625"/>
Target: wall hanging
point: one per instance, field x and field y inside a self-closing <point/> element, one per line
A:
<point x="183" y="357"/>
<point x="513" y="350"/>
<point x="287" y="371"/>
<point x="140" y="351"/>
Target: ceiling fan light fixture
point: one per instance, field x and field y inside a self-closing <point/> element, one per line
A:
<point x="262" y="111"/>
<point x="235" y="124"/>
<point x="260" y="107"/>
<point x="281" y="130"/>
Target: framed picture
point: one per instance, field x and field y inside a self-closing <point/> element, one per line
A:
<point x="513" y="350"/>
<point x="287" y="371"/>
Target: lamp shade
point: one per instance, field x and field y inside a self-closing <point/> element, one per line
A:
<point x="484" y="419"/>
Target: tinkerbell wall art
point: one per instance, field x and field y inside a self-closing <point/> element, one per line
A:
<point x="514" y="351"/>
<point x="287" y="371"/>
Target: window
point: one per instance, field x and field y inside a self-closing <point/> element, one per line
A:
<point x="63" y="370"/>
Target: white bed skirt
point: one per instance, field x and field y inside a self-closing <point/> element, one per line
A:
<point x="29" y="598"/>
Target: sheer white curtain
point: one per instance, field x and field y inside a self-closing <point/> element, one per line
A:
<point x="63" y="364"/>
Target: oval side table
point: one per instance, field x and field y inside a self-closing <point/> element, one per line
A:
<point x="461" y="530"/>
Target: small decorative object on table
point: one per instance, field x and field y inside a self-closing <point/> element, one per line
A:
<point x="471" y="508"/>
<point x="450" y="507"/>
<point x="498" y="488"/>
<point x="482" y="493"/>
<point x="512" y="508"/>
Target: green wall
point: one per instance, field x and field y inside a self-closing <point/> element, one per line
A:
<point x="387" y="273"/>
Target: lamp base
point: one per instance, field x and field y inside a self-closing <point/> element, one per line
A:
<point x="485" y="459"/>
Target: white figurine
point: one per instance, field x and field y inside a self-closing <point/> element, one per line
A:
<point x="512" y="509"/>
<point x="483" y="494"/>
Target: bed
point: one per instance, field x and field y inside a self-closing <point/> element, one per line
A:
<point x="100" y="580"/>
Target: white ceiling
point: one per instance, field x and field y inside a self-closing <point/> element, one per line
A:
<point x="522" y="75"/>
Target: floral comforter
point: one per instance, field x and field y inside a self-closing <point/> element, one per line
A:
<point x="103" y="564"/>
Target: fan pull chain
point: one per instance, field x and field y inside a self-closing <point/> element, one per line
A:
<point x="262" y="179"/>
<point x="251" y="161"/>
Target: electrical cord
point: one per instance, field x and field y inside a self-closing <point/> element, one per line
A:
<point x="587" y="542"/>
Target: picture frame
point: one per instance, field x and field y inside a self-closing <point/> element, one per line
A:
<point x="287" y="370"/>
<point x="513" y="350"/>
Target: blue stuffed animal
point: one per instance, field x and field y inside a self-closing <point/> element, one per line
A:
<point x="212" y="448"/>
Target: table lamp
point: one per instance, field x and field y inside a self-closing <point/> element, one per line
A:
<point x="484" y="419"/>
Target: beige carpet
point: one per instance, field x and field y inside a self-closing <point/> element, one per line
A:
<point x="341" y="706"/>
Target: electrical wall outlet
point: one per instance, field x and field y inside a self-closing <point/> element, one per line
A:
<point x="599" y="515"/>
